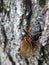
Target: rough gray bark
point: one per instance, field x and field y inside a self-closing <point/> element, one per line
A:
<point x="15" y="16"/>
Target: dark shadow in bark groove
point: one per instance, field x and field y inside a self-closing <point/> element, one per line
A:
<point x="4" y="34"/>
<point x="1" y="6"/>
<point x="11" y="59"/>
<point x="27" y="61"/>
<point x="0" y="60"/>
<point x="43" y="57"/>
<point x="28" y="9"/>
<point x="29" y="18"/>
<point x="42" y="3"/>
<point x="40" y="62"/>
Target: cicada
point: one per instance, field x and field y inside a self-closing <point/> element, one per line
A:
<point x="26" y="46"/>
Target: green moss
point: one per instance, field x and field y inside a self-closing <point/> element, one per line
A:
<point x="34" y="20"/>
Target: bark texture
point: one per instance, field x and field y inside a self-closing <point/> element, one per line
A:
<point x="15" y="16"/>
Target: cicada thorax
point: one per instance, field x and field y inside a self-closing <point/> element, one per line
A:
<point x="26" y="47"/>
